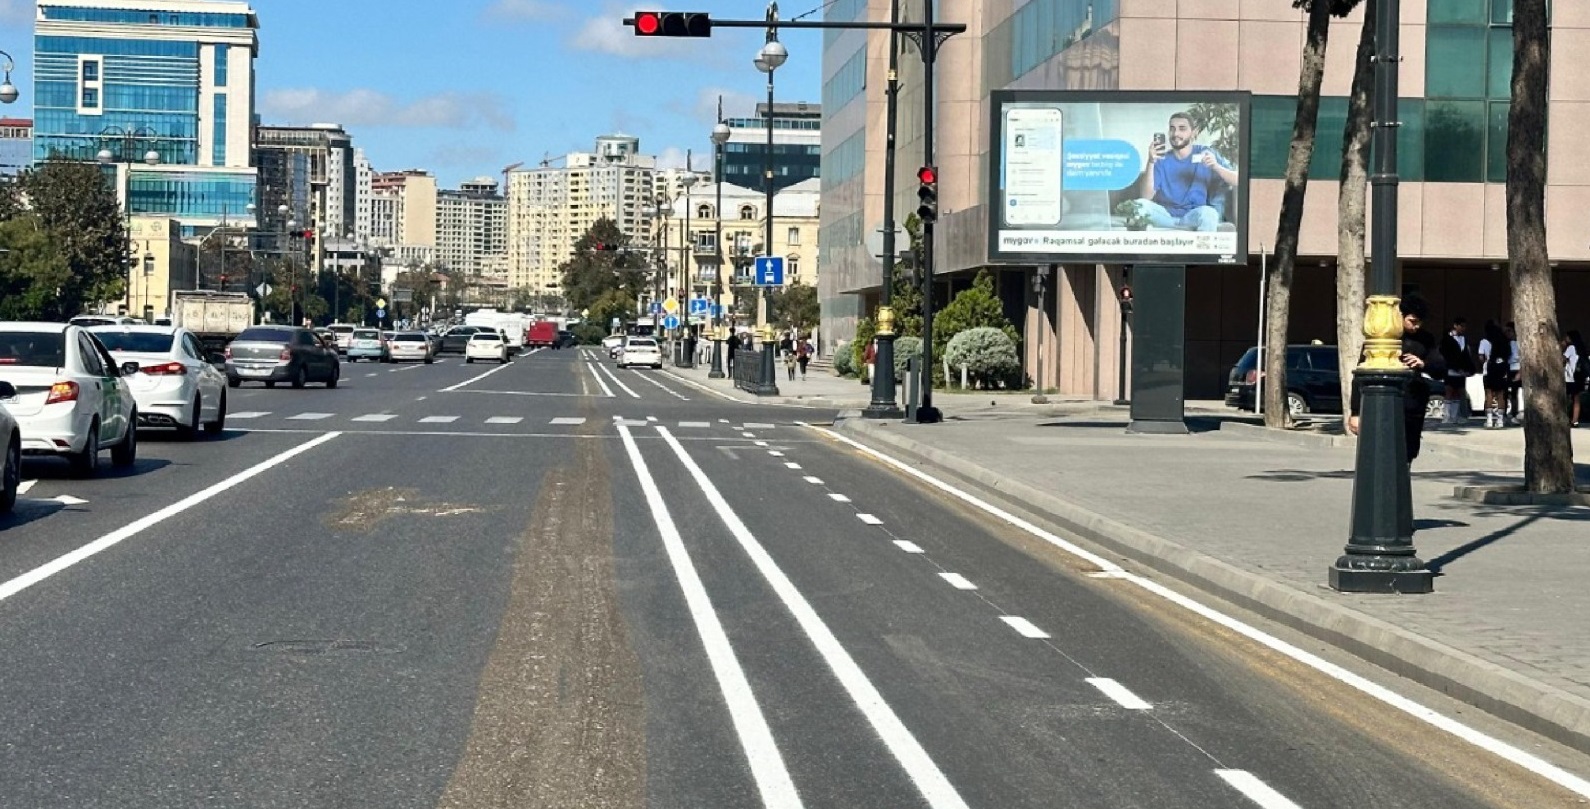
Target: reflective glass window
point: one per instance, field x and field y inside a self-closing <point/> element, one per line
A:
<point x="1472" y="12"/>
<point x="1454" y="147"/>
<point x="220" y="65"/>
<point x="1499" y="76"/>
<point x="90" y="98"/>
<point x="91" y="70"/>
<point x="1455" y="61"/>
<point x="218" y="147"/>
<point x="1496" y="137"/>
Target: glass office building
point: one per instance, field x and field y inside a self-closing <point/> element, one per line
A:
<point x="797" y="146"/>
<point x="174" y="77"/>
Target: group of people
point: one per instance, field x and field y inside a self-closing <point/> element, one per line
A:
<point x="794" y="349"/>
<point x="1495" y="359"/>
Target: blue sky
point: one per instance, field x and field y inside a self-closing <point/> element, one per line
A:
<point x="466" y="87"/>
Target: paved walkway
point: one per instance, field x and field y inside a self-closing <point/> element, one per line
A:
<point x="1257" y="516"/>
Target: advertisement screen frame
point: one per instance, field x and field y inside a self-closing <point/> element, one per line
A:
<point x="1002" y="101"/>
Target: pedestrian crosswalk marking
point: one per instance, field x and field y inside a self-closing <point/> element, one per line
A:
<point x="694" y="425"/>
<point x="248" y="414"/>
<point x="630" y="422"/>
<point x="568" y="421"/>
<point x="504" y="419"/>
<point x="438" y="419"/>
<point x="376" y="417"/>
<point x="758" y="426"/>
<point x="310" y="416"/>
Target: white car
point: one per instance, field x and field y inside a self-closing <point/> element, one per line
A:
<point x="612" y="345"/>
<point x="486" y="345"/>
<point x="344" y="333"/>
<point x="11" y="444"/>
<point x="409" y="345"/>
<point x="640" y="351"/>
<point x="174" y="385"/>
<point x="70" y="397"/>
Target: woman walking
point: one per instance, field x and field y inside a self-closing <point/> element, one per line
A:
<point x="803" y="354"/>
<point x="1574" y="371"/>
<point x="1495" y="361"/>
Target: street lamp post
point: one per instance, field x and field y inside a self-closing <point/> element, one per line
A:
<point x="686" y="344"/>
<point x="1039" y="278"/>
<point x="1380" y="557"/>
<point x="720" y="136"/>
<point x="106" y="157"/>
<point x="883" y="404"/>
<point x="8" y="91"/>
<point x="768" y="60"/>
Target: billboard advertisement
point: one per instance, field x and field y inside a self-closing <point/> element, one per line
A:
<point x="1118" y="177"/>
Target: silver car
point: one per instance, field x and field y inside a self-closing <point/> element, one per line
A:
<point x="409" y="346"/>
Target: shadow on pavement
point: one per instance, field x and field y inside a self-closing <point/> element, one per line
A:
<point x="1439" y="563"/>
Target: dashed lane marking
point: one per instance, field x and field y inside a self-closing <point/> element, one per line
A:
<point x="376" y="417"/>
<point x="506" y="420"/>
<point x="695" y="425"/>
<point x="1024" y="627"/>
<point x="869" y="519"/>
<point x="248" y="414"/>
<point x="958" y="581"/>
<point x="569" y="421"/>
<point x="908" y="546"/>
<point x="309" y="416"/>
<point x="1115" y="691"/>
<point x="438" y="419"/>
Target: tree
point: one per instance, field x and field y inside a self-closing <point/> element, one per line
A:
<point x="592" y="273"/>
<point x="78" y="209"/>
<point x="907" y="291"/>
<point x="237" y="266"/>
<point x="1350" y="207"/>
<point x="972" y="308"/>
<point x="31" y="269"/>
<point x="1304" y="125"/>
<point x="796" y="306"/>
<point x="1548" y="444"/>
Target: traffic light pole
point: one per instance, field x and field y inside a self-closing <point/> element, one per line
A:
<point x="928" y="43"/>
<point x="883" y="404"/>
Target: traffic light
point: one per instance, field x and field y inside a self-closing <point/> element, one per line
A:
<point x="605" y="247"/>
<point x="928" y="194"/>
<point x="672" y="24"/>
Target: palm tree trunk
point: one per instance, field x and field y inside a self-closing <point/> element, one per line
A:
<point x="1548" y="448"/>
<point x="1351" y="208"/>
<point x="1278" y="305"/>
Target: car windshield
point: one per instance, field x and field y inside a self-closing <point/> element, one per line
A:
<point x="486" y="337"/>
<point x="341" y="329"/>
<point x="93" y="321"/>
<point x="647" y="343"/>
<point x="410" y="338"/>
<point x="258" y="335"/>
<point x="142" y="342"/>
<point x="366" y="334"/>
<point x="34" y="349"/>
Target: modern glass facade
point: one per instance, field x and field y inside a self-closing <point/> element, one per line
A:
<point x="190" y="195"/>
<point x="200" y="19"/>
<point x="797" y="149"/>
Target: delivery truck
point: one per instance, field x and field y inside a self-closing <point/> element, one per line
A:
<point x="215" y="317"/>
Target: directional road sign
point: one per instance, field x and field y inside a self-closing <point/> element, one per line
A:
<point x="264" y="290"/>
<point x="671" y="322"/>
<point x="769" y="271"/>
<point x="380" y="313"/>
<point x="656" y="307"/>
<point x="700" y="306"/>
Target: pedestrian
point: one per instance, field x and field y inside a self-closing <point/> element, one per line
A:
<point x="1459" y="367"/>
<point x="870" y="356"/>
<point x="733" y="346"/>
<point x="803" y="355"/>
<point x="1495" y="364"/>
<point x="1422" y="356"/>
<point x="1515" y="378"/>
<point x="1576" y="371"/>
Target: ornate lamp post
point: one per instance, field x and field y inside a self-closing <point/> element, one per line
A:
<point x="106" y="157"/>
<point x="768" y="60"/>
<point x="687" y="284"/>
<point x="8" y="91"/>
<point x="720" y="136"/>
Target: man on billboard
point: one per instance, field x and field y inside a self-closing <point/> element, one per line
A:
<point x="1186" y="185"/>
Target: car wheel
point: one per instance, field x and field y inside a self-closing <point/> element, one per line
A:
<point x="429" y="360"/>
<point x="301" y="377"/>
<point x="270" y="384"/>
<point x="1296" y="404"/>
<point x="1435" y="408"/>
<point x="469" y="360"/>
<point x="10" y="475"/>
<point x="191" y="429"/>
<point x="502" y="360"/>
<point x="353" y="359"/>
<point x="219" y="425"/>
<point x="86" y="463"/>
<point x="126" y="453"/>
<point x="336" y="376"/>
<point x="234" y="383"/>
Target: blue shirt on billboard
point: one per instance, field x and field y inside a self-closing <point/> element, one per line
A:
<point x="1181" y="185"/>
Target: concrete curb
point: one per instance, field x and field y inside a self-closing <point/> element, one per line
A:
<point x="1499" y="691"/>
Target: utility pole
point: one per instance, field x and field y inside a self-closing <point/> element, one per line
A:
<point x="883" y="404"/>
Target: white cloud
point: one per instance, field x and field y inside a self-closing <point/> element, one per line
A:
<point x="673" y="157"/>
<point x="524" y="11"/>
<point x="364" y="107"/>
<point x="607" y="33"/>
<point x="735" y="104"/>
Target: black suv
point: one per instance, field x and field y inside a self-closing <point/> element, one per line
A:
<point x="1313" y="380"/>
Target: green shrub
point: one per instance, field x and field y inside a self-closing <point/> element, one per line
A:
<point x="865" y="331"/>
<point x="844" y="362"/>
<point x="987" y="352"/>
<point x="588" y="334"/>
<point x="904" y="349"/>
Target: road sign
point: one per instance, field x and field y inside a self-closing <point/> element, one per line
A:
<point x="700" y="306"/>
<point x="380" y="313"/>
<point x="380" y="303"/>
<point x="902" y="241"/>
<point x="671" y="322"/>
<point x="264" y="290"/>
<point x="403" y="295"/>
<point x="670" y="305"/>
<point x="656" y="308"/>
<point x="769" y="271"/>
<point x="717" y="310"/>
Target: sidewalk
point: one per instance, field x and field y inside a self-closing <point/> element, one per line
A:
<point x="1257" y="517"/>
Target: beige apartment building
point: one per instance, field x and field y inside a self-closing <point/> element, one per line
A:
<point x="690" y="244"/>
<point x="403" y="215"/>
<point x="472" y="229"/>
<point x="1452" y="225"/>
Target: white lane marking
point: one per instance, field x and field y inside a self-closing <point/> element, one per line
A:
<point x="621" y="386"/>
<point x="723" y="421"/>
<point x="753" y="435"/>
<point x="1123" y="697"/>
<point x="775" y="453"/>
<point x="25" y="486"/>
<point x="758" y="426"/>
<point x="958" y="581"/>
<point x="249" y="414"/>
<point x="397" y="370"/>
<point x="792" y="465"/>
<point x="504" y="419"/>
<point x="813" y="481"/>
<point x="720" y="394"/>
<point x="936" y="789"/>
<point x="869" y="519"/>
<point x="838" y="498"/>
<point x="756" y="738"/>
<point x="438" y="419"/>
<point x="370" y="374"/>
<point x="472" y="380"/>
<point x="68" y="500"/>
<point x="908" y="546"/>
<point x="1024" y="626"/>
<point x="376" y="417"/>
<point x="1534" y="764"/>
<point x="694" y="425"/>
<point x="606" y="391"/>
<point x="132" y="529"/>
<point x="1255" y="790"/>
<point x="630" y="422"/>
<point x="756" y="443"/>
<point x="665" y="388"/>
<point x="310" y="417"/>
<point x="651" y="418"/>
<point x="422" y="398"/>
<point x="568" y="421"/>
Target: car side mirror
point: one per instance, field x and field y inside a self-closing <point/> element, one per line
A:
<point x="8" y="390"/>
<point x="129" y="368"/>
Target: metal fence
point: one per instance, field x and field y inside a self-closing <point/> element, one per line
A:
<point x="747" y="369"/>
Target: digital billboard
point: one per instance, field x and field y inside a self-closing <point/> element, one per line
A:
<point x="1118" y="177"/>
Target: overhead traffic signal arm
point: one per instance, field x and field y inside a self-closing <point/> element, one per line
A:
<point x="671" y="24"/>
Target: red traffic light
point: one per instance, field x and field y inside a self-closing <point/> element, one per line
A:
<point x="647" y="23"/>
<point x="671" y="24"/>
<point x="927" y="174"/>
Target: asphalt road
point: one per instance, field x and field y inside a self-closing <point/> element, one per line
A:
<point x="558" y="584"/>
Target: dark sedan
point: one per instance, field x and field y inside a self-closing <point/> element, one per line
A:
<point x="272" y="354"/>
<point x="454" y="339"/>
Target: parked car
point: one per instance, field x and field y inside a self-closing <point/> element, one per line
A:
<point x="1313" y="382"/>
<point x="11" y="443"/>
<point x="640" y="351"/>
<point x="456" y="339"/>
<point x="68" y="395"/>
<point x="486" y="345"/>
<point x="366" y="345"/>
<point x="272" y="354"/>
<point x="174" y="384"/>
<point x="565" y="338"/>
<point x="344" y="333"/>
<point x="409" y="346"/>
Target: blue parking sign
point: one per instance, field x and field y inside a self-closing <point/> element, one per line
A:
<point x="769" y="271"/>
<point x="700" y="306"/>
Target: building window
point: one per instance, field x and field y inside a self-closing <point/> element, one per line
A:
<point x="220" y="65"/>
<point x="793" y="236"/>
<point x="90" y="83"/>
<point x="747" y="212"/>
<point x="792" y="266"/>
<point x="90" y="98"/>
<point x="90" y="70"/>
<point x="704" y="212"/>
<point x="218" y="147"/>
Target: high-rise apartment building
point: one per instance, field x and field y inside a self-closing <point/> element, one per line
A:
<point x="551" y="207"/>
<point x="797" y="146"/>
<point x="363" y="176"/>
<point x="332" y="174"/>
<point x="407" y="199"/>
<point x="472" y="228"/>
<point x="175" y="78"/>
<point x="16" y="145"/>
